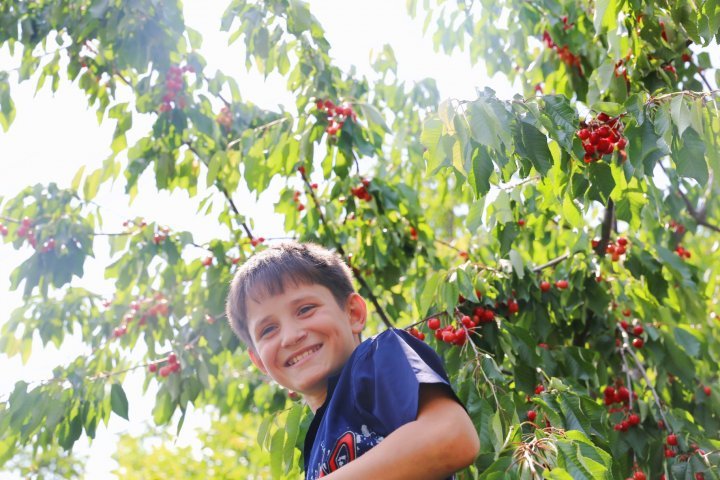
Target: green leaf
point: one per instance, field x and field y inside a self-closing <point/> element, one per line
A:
<point x="276" y="453"/>
<point x="292" y="427"/>
<point x="680" y="114"/>
<point x="687" y="341"/>
<point x="535" y="147"/>
<point x="373" y="117"/>
<point x="690" y="158"/>
<point x="118" y="400"/>
<point x="479" y="175"/>
<point x="517" y="263"/>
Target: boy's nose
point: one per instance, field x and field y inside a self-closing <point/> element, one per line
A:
<point x="293" y="336"/>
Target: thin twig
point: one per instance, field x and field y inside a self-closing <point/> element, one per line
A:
<point x="224" y="192"/>
<point x="552" y="262"/>
<point x="656" y="397"/>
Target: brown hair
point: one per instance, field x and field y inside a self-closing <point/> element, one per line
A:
<point x="267" y="273"/>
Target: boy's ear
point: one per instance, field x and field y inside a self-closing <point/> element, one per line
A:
<point x="256" y="360"/>
<point x="357" y="309"/>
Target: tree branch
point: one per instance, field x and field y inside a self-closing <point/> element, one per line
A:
<point x="224" y="192"/>
<point x="607" y="228"/>
<point x="341" y="251"/>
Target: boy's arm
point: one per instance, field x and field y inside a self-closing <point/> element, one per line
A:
<point x="441" y="441"/>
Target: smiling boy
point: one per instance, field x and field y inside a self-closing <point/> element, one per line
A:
<point x="383" y="407"/>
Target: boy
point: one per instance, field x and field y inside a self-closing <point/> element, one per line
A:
<point x="295" y="307"/>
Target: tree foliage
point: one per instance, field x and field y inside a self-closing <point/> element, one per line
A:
<point x="575" y="227"/>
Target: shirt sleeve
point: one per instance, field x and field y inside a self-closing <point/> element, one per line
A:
<point x="387" y="378"/>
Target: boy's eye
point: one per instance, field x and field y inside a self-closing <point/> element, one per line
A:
<point x="305" y="309"/>
<point x="266" y="330"/>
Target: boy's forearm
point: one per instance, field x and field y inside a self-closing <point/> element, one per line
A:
<point x="440" y="442"/>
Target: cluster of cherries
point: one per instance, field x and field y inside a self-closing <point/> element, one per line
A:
<point x="602" y="136"/>
<point x="337" y="115"/>
<point x="173" y="84"/>
<point x="621" y="395"/>
<point x="172" y="366"/>
<point x="569" y="58"/>
<point x="161" y="235"/>
<point x="545" y="286"/>
<point x="255" y="241"/>
<point x="142" y="310"/>
<point x="225" y="117"/>
<point x="678" y="227"/>
<point x="616" y="249"/>
<point x="680" y="250"/>
<point x="636" y="329"/>
<point x="296" y="199"/>
<point x="361" y="191"/>
<point x="25" y="231"/>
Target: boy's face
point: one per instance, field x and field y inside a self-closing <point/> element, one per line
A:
<point x="302" y="336"/>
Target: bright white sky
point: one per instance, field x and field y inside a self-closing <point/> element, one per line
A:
<point x="53" y="136"/>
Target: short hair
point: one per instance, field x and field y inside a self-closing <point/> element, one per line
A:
<point x="267" y="273"/>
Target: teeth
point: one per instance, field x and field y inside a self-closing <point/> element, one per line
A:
<point x="297" y="358"/>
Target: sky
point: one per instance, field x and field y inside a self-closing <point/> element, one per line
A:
<point x="54" y="135"/>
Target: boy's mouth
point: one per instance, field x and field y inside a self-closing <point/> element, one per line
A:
<point x="304" y="353"/>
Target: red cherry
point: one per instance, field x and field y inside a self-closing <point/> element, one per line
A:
<point x="603" y="117"/>
<point x="638" y="342"/>
<point x="448" y="336"/>
<point x="594" y="243"/>
<point x="634" y="419"/>
<point x="207" y="261"/>
<point x="539" y="389"/>
<point x="623" y="394"/>
<point x="165" y="371"/>
<point x="153" y="367"/>
<point x="488" y="316"/>
<point x="627" y="312"/>
<point x="421" y="336"/>
<point x="639" y="475"/>
<point x="625" y="325"/>
<point x="301" y="207"/>
<point x="672" y="440"/>
<point x="521" y="222"/>
<point x="513" y="306"/>
<point x="26" y="222"/>
<point x="561" y="284"/>
<point x="433" y="324"/>
<point x="669" y="453"/>
<point x="638" y="330"/>
<point x="532" y="415"/>
<point x="707" y="390"/>
<point x="545" y="286"/>
<point x="622" y="241"/>
<point x="172" y="358"/>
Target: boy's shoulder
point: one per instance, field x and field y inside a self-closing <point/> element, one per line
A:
<point x="376" y="392"/>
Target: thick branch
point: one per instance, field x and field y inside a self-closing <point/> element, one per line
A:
<point x="607" y="227"/>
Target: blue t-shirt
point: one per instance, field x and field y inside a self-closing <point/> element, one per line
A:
<point x="375" y="393"/>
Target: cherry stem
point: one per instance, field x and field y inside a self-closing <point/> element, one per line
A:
<point x="628" y="380"/>
<point x="656" y="397"/>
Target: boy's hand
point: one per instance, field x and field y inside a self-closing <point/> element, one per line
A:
<point x="441" y="441"/>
